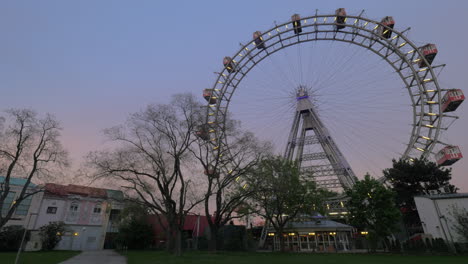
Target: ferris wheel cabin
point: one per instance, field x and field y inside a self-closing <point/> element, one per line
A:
<point x="229" y="64"/>
<point x="429" y="51"/>
<point x="387" y="21"/>
<point x="210" y="171"/>
<point x="257" y="37"/>
<point x="202" y="132"/>
<point x="448" y="156"/>
<point x="340" y="18"/>
<point x="296" y="22"/>
<point x="452" y="99"/>
<point x="208" y="95"/>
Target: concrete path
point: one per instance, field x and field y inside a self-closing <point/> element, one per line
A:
<point x="97" y="257"/>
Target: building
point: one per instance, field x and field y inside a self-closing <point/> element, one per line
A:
<point x="89" y="214"/>
<point x="436" y="214"/>
<point x="318" y="235"/>
<point x="194" y="226"/>
<point x="27" y="209"/>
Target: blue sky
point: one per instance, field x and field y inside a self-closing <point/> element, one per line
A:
<point x="91" y="63"/>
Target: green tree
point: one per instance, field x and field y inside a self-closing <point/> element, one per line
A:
<point x="281" y="194"/>
<point x="51" y="234"/>
<point x="372" y="206"/>
<point x="417" y="177"/>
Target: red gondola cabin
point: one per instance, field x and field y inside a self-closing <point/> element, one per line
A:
<point x="452" y="99"/>
<point x="257" y="36"/>
<point x="202" y="132"/>
<point x="429" y="51"/>
<point x="208" y="95"/>
<point x="211" y="172"/>
<point x="448" y="156"/>
<point x="340" y="18"/>
<point x="229" y="64"/>
<point x="296" y="21"/>
<point x="385" y="32"/>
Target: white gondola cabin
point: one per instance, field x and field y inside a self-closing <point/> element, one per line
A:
<point x="202" y="132"/>
<point x="340" y="18"/>
<point x="258" y="39"/>
<point x="229" y="64"/>
<point x="208" y="95"/>
<point x="429" y="51"/>
<point x="388" y="23"/>
<point x="452" y="99"/>
<point x="296" y="22"/>
<point x="448" y="155"/>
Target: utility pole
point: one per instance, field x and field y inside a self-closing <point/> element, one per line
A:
<point x="22" y="239"/>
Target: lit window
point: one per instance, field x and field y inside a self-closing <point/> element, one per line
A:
<point x="23" y="206"/>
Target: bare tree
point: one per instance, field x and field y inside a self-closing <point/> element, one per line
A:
<point x="29" y="148"/>
<point x="225" y="192"/>
<point x="150" y="159"/>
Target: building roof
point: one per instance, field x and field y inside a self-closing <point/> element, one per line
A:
<point x="444" y="196"/>
<point x="191" y="224"/>
<point x="71" y="189"/>
<point x="17" y="181"/>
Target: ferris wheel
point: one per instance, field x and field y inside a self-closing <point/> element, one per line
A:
<point x="429" y="107"/>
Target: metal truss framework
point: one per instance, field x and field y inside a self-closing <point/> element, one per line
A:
<point x="398" y="51"/>
<point x="327" y="165"/>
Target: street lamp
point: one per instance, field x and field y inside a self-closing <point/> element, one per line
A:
<point x="24" y="236"/>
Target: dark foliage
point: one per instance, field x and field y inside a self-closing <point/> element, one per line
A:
<point x="10" y="238"/>
<point x="135" y="234"/>
<point x="51" y="234"/>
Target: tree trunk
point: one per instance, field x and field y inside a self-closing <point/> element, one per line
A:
<point x="281" y="238"/>
<point x="214" y="242"/>
<point x="178" y="243"/>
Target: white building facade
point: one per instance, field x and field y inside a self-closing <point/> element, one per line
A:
<point x="86" y="212"/>
<point x="437" y="214"/>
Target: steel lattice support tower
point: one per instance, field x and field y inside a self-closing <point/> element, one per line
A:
<point x="323" y="160"/>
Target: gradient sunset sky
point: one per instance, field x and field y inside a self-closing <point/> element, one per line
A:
<point x="91" y="63"/>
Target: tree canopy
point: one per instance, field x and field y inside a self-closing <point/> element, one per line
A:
<point x="281" y="194"/>
<point x="372" y="207"/>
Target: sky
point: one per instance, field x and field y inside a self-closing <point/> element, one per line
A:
<point x="92" y="63"/>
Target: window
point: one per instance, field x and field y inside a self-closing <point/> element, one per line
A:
<point x="8" y="202"/>
<point x="51" y="210"/>
<point x="97" y="209"/>
<point x="74" y="207"/>
<point x="23" y="207"/>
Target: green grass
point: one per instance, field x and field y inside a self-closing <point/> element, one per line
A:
<point x="157" y="257"/>
<point x="40" y="257"/>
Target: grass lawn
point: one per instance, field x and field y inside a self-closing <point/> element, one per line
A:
<point x="157" y="257"/>
<point x="46" y="257"/>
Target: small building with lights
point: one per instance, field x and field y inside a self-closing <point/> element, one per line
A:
<point x="318" y="235"/>
<point x="90" y="216"/>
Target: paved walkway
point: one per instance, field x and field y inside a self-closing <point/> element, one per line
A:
<point x="97" y="257"/>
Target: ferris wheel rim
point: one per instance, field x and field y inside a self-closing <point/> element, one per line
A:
<point x="216" y="114"/>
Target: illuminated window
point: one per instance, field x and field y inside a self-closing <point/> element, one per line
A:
<point x="23" y="206"/>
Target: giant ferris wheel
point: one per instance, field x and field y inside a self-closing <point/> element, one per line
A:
<point x="308" y="137"/>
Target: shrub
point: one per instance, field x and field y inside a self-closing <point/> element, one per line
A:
<point x="51" y="234"/>
<point x="10" y="238"/>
